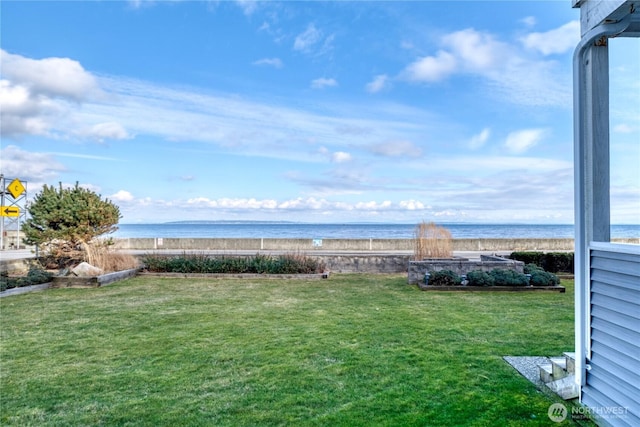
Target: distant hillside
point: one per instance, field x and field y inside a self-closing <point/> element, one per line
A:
<point x="228" y="222"/>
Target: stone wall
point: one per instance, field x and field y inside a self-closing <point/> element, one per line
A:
<point x="365" y="263"/>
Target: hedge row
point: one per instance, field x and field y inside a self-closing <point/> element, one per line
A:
<point x="553" y="262"/>
<point x="533" y="276"/>
<point x="258" y="264"/>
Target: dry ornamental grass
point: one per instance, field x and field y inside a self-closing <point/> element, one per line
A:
<point x="99" y="254"/>
<point x="432" y="241"/>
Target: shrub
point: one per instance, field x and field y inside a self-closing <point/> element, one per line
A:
<point x="480" y="278"/>
<point x="35" y="276"/>
<point x="65" y="218"/>
<point x="258" y="264"/>
<point x="444" y="278"/>
<point x="531" y="268"/>
<point x="528" y="257"/>
<point x="543" y="278"/>
<point x="558" y="262"/>
<point x="552" y="261"/>
<point x="503" y="277"/>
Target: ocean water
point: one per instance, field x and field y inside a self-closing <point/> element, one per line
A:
<point x="352" y="231"/>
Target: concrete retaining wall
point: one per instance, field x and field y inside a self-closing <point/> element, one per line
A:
<point x="365" y="263"/>
<point x="309" y="245"/>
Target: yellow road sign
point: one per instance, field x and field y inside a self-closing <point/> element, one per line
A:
<point x="10" y="211"/>
<point x="15" y="189"/>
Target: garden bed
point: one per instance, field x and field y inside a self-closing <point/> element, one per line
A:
<point x="237" y="275"/>
<point x="560" y="289"/>
<point x="417" y="269"/>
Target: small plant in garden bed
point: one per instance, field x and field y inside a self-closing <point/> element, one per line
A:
<point x="480" y="278"/>
<point x="444" y="278"/>
<point x="35" y="276"/>
<point x="502" y="277"/>
<point x="258" y="264"/>
<point x="539" y="277"/>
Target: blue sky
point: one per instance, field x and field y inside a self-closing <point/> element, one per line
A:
<point x="309" y="111"/>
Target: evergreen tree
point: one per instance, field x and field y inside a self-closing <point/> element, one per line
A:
<point x="70" y="216"/>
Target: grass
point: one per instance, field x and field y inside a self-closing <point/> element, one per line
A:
<point x="349" y="351"/>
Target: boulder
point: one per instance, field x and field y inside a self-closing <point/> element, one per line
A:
<point x="85" y="269"/>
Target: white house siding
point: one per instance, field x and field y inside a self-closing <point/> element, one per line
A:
<point x="612" y="388"/>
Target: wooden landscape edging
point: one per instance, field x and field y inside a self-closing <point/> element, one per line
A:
<point x="560" y="289"/>
<point x="313" y="276"/>
<point x="93" y="281"/>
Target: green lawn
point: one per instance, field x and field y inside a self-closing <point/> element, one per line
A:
<point x="352" y="350"/>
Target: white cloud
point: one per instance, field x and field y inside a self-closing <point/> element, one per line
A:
<point x="432" y="68"/>
<point x="54" y="77"/>
<point x="501" y="66"/>
<point x="323" y="82"/>
<point x="467" y="50"/>
<point x="271" y="62"/>
<point x="247" y="6"/>
<point x="558" y="40"/>
<point x="372" y="206"/>
<point x="247" y="126"/>
<point x="299" y="204"/>
<point x="36" y="95"/>
<point x="23" y="113"/>
<point x="624" y="128"/>
<point x="378" y="83"/>
<point x="313" y="41"/>
<point x="107" y="130"/>
<point x="128" y="107"/>
<point x="396" y="149"/>
<point x="340" y="157"/>
<point x="497" y="164"/>
<point x="412" y="205"/>
<point x="475" y="50"/>
<point x="521" y="141"/>
<point x="122" y="196"/>
<point x="16" y="99"/>
<point x="29" y="166"/>
<point x="480" y="139"/>
<point x="529" y="21"/>
<point x="307" y="39"/>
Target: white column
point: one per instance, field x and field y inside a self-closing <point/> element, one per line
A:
<point x="591" y="169"/>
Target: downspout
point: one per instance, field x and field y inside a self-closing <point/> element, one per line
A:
<point x="582" y="235"/>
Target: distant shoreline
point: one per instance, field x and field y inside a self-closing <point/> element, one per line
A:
<point x="297" y="230"/>
<point x="255" y="222"/>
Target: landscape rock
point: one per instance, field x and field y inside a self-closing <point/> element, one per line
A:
<point x="85" y="269"/>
